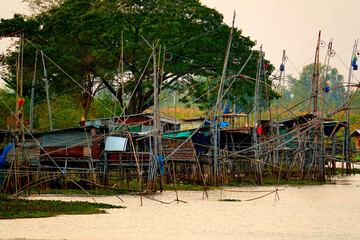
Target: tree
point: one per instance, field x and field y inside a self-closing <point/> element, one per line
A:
<point x="301" y="88"/>
<point x="38" y="6"/>
<point x="84" y="38"/>
<point x="7" y="101"/>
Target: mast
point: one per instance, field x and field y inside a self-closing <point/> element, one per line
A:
<point x="47" y="90"/>
<point x="282" y="70"/>
<point x="347" y="125"/>
<point x="18" y="113"/>
<point x="281" y="79"/>
<point x="122" y="72"/>
<point x="218" y="107"/>
<point x="157" y="125"/>
<point x="315" y="77"/>
<point x="31" y="120"/>
<point x="257" y="99"/>
<point x="317" y="146"/>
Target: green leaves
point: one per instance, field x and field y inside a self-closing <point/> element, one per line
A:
<point x="83" y="37"/>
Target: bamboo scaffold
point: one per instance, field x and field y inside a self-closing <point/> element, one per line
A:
<point x="299" y="148"/>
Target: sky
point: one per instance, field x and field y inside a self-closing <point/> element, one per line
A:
<point x="7" y="10"/>
<point x="277" y="25"/>
<point x="294" y="26"/>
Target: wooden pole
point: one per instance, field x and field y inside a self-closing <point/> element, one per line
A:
<point x="47" y="90"/>
<point x="318" y="136"/>
<point x="199" y="167"/>
<point x="347" y="125"/>
<point x="217" y="117"/>
<point x="315" y="77"/>
<point x="31" y="120"/>
<point x="257" y="99"/>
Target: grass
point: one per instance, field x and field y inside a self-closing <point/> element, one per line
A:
<point x="293" y="182"/>
<point x="230" y="200"/>
<point x="134" y="186"/>
<point x="100" y="191"/>
<point x="113" y="191"/>
<point x="22" y="208"/>
<point x="267" y="181"/>
<point x="270" y="181"/>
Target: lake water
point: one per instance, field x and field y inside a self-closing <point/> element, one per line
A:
<point x="304" y="212"/>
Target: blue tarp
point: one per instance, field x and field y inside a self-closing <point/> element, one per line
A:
<point x="3" y="155"/>
<point x="222" y="124"/>
<point x="161" y="164"/>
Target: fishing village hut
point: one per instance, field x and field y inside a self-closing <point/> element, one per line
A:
<point x="77" y="148"/>
<point x="192" y="123"/>
<point x="129" y="149"/>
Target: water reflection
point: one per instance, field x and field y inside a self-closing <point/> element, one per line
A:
<point x="304" y="212"/>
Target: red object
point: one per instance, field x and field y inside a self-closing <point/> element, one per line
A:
<point x="21" y="102"/>
<point x="258" y="130"/>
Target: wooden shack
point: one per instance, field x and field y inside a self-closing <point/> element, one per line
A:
<point x="71" y="148"/>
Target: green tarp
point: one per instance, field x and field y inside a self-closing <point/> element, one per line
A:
<point x="182" y="134"/>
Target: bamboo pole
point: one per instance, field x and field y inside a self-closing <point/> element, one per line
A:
<point x="347" y="126"/>
<point x="47" y="90"/>
<point x="31" y="120"/>
<point x="218" y="107"/>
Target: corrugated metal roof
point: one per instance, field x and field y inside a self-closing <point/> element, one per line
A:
<point x="149" y="115"/>
<point x="194" y="119"/>
<point x="169" y="120"/>
<point x="234" y="115"/>
<point x="66" y="129"/>
<point x="126" y="116"/>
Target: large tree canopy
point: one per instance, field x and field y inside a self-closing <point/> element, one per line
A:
<point x="83" y="37"/>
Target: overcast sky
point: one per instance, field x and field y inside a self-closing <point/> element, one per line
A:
<point x="7" y="10"/>
<point x="279" y="25"/>
<point x="294" y="25"/>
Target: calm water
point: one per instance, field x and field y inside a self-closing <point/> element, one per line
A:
<point x="306" y="212"/>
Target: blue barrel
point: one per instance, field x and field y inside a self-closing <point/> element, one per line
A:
<point x="282" y="67"/>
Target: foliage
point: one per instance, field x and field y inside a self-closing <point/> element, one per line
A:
<point x="355" y="109"/>
<point x="299" y="90"/>
<point x="38" y="6"/>
<point x="22" y="208"/>
<point x="104" y="106"/>
<point x="66" y="110"/>
<point x="237" y="90"/>
<point x="84" y="38"/>
<point x="62" y="105"/>
<point x="8" y="100"/>
<point x="183" y="112"/>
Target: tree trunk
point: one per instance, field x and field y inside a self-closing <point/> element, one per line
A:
<point x="87" y="96"/>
